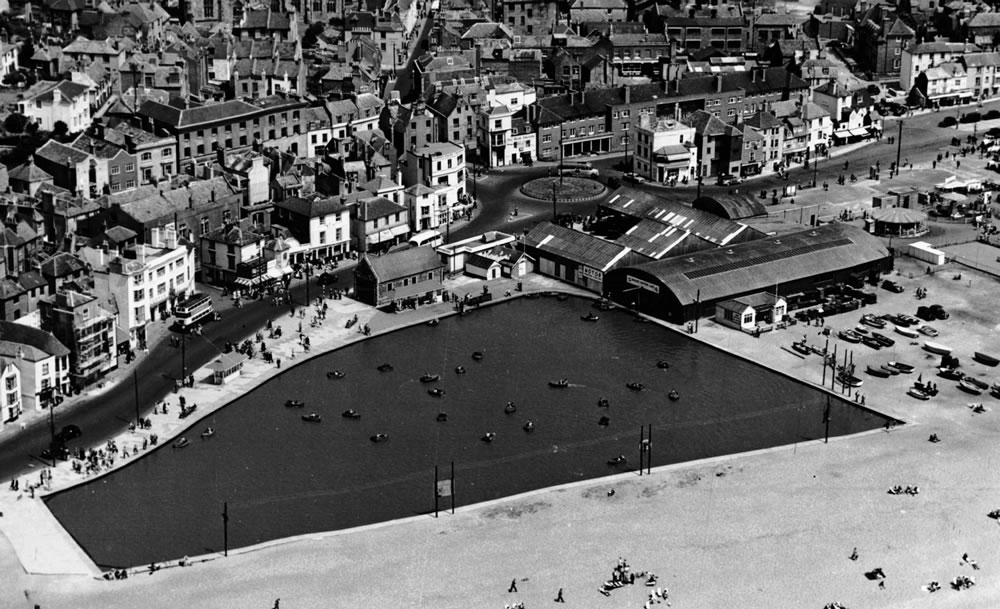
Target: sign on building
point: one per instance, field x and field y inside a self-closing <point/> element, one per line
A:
<point x="591" y="273"/>
<point x="649" y="287"/>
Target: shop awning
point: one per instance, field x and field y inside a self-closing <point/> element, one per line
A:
<point x="842" y="134"/>
<point x="243" y="281"/>
<point x="861" y="131"/>
<point x="402" y="229"/>
<point x="674" y="152"/>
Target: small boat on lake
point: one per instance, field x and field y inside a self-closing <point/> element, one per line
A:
<point x="604" y="305"/>
<point x="379" y="437"/>
<point x="294" y="404"/>
<point x="442" y="417"/>
<point x="878" y="372"/>
<point x="430" y="378"/>
<point x="603" y="403"/>
<point x="673" y="395"/>
<point x="181" y="443"/>
<point x="908" y="333"/>
<point x="459" y="369"/>
<point x="589" y="317"/>
<point x="904" y="368"/>
<point x="335" y="374"/>
<point x="619" y="460"/>
<point x="562" y="297"/>
<point x="985" y="359"/>
<point x="937" y="348"/>
<point x="312" y="418"/>
<point x="351" y="414"/>
<point x="489" y="436"/>
<point x="510" y="408"/>
<point x="385" y="368"/>
<point x="208" y="433"/>
<point x="917" y="393"/>
<point x="477" y="355"/>
<point x="604" y="421"/>
<point x="529" y="426"/>
<point x="663" y="364"/>
<point x="433" y="322"/>
<point x="560" y="383"/>
<point x="635" y="386"/>
<point x="436" y="392"/>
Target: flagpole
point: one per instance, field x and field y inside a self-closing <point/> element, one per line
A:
<point x="451" y="487"/>
<point x="436" y="492"/>
<point x="649" y="450"/>
<point x="642" y="438"/>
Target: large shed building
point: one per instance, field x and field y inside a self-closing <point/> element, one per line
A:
<point x="682" y="288"/>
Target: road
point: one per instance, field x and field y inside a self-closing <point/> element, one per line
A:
<point x="108" y="414"/>
<point x="922" y="140"/>
<point x="404" y="77"/>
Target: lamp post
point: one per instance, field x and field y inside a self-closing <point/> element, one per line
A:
<point x="554" y="202"/>
<point x="625" y="162"/>
<point x="899" y="145"/>
<point x="561" y="131"/>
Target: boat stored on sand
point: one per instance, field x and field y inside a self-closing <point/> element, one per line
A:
<point x="880" y="373"/>
<point x="937" y="348"/>
<point x="985" y="359"/>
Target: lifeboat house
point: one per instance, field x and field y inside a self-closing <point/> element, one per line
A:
<point x="753" y="312"/>
<point x="683" y="288"/>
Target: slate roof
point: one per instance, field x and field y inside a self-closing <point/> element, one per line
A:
<point x="311" y="208"/>
<point x="377" y="207"/>
<point x="35" y="344"/>
<point x="730" y="206"/>
<point x="264" y="19"/>
<point x="406" y="263"/>
<point x="781" y="19"/>
<point x="234" y="235"/>
<point x="576" y="246"/>
<point x="943" y="47"/>
<point x="985" y="20"/>
<point x="198" y="115"/>
<point x="61" y="265"/>
<point x="85" y="46"/>
<point x="43" y="91"/>
<point x="60" y="154"/>
<point x="981" y="59"/>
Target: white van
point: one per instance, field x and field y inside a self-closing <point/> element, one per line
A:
<point x="427" y="237"/>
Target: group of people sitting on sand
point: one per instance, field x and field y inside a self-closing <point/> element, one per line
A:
<point x="909" y="490"/>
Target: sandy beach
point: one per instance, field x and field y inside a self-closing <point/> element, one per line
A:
<point x="774" y="528"/>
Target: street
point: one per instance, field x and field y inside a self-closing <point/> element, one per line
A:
<point x="109" y="413"/>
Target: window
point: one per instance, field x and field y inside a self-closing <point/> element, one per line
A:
<point x="897" y="51"/>
<point x="546" y="139"/>
<point x="137" y="295"/>
<point x="624" y="126"/>
<point x="129" y="183"/>
<point x="45" y="369"/>
<point x="322" y="236"/>
<point x="115" y="169"/>
<point x="625" y="113"/>
<point x="203" y="227"/>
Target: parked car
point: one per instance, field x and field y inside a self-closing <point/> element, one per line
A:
<point x="892" y="286"/>
<point x="948" y="121"/>
<point x="634" y="177"/>
<point x="55" y="451"/>
<point x="614" y="183"/>
<point x="971" y="117"/>
<point x="939" y="312"/>
<point x="70" y="432"/>
<point x="991" y="115"/>
<point x="926" y="314"/>
<point x="729" y="180"/>
<point x="927" y="331"/>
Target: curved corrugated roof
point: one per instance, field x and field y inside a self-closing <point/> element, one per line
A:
<point x="899" y="215"/>
<point x="731" y="207"/>
<point x="762" y="264"/>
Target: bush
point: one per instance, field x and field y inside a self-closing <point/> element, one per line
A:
<point x="949" y="121"/>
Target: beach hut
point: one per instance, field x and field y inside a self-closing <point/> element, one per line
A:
<point x="227" y="367"/>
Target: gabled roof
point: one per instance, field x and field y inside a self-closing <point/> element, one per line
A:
<point x="197" y="115"/>
<point x="377" y="207"/>
<point x="28" y="172"/>
<point x="60" y="154"/>
<point x="780" y="19"/>
<point x="264" y="19"/>
<point x="43" y="91"/>
<point x="763" y="120"/>
<point x="85" y="46"/>
<point x="576" y="246"/>
<point x="311" y="208"/>
<point x="235" y="235"/>
<point x="380" y="184"/>
<point x="981" y="59"/>
<point x="957" y="48"/>
<point x="706" y="123"/>
<point x="900" y="28"/>
<point x="406" y="263"/>
<point x="61" y="265"/>
<point x="34" y="344"/>
<point x="985" y="20"/>
<point x="478" y="31"/>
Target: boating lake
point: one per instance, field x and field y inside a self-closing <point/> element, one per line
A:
<point x="282" y="476"/>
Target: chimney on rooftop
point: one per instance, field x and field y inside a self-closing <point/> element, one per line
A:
<point x="691" y="12"/>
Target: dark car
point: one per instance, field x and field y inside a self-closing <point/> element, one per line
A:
<point x="938" y="312"/>
<point x="614" y="183"/>
<point x="56" y="451"/>
<point x="948" y="121"/>
<point x="971" y="117"/>
<point x="70" y="432"/>
<point x="892" y="286"/>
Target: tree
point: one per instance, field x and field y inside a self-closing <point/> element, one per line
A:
<point x="312" y="35"/>
<point x="60" y="129"/>
<point x="15" y="123"/>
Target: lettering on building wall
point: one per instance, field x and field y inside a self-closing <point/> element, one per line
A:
<point x="649" y="287"/>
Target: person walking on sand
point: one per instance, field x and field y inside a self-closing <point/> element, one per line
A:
<point x="513" y="586"/>
<point x="559" y="597"/>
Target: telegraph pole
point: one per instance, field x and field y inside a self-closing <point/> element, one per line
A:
<point x="899" y="146"/>
<point x="554" y="200"/>
<point x="225" y="528"/>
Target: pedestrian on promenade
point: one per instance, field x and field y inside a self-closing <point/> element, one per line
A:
<point x="513" y="586"/>
<point x="559" y="597"/>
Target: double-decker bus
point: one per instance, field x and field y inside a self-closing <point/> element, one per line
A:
<point x="193" y="311"/>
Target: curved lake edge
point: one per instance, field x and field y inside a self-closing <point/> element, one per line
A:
<point x="276" y="374"/>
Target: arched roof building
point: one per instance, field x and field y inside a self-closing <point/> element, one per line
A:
<point x="682" y="288"/>
<point x="731" y="207"/>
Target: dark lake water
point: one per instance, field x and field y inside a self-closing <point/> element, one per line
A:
<point x="282" y="476"/>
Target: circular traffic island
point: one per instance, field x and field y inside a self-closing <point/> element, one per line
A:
<point x="566" y="188"/>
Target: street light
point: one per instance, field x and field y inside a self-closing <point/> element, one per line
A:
<point x="625" y="162"/>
